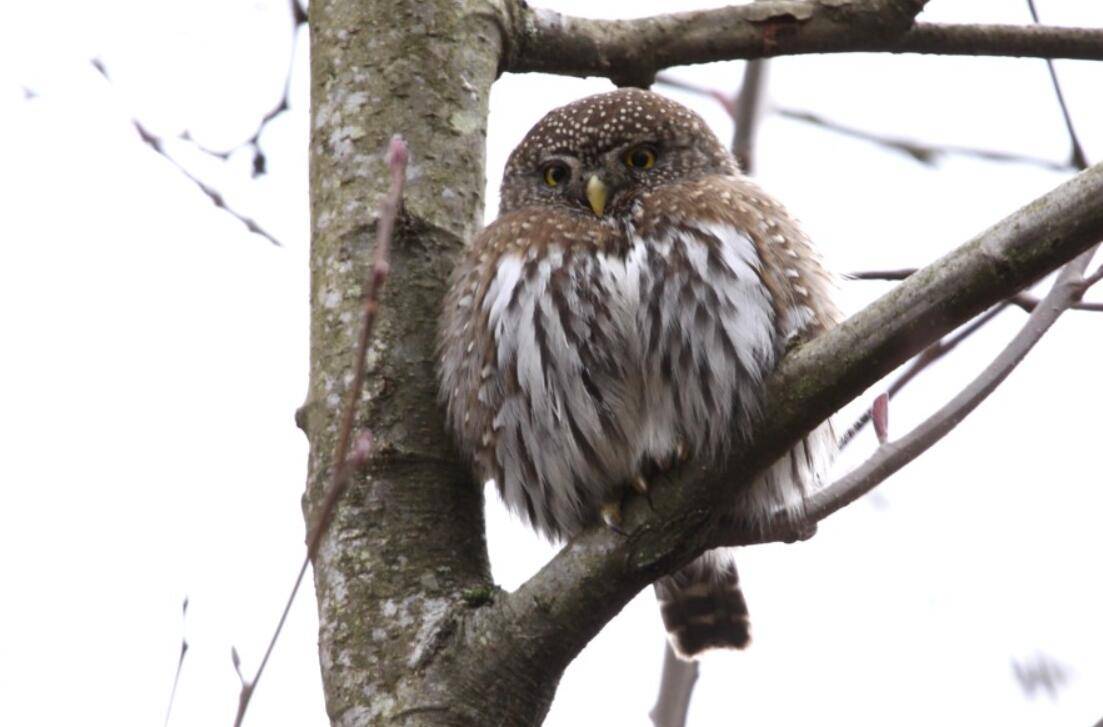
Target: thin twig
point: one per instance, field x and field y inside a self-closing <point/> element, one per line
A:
<point x="157" y="144"/>
<point x="260" y="161"/>
<point x="347" y="456"/>
<point x="890" y="457"/>
<point x="1023" y="300"/>
<point x="1077" y="158"/>
<point x="929" y="355"/>
<point x="675" y="691"/>
<point x="916" y="150"/>
<point x="923" y="153"/>
<point x="179" y="667"/>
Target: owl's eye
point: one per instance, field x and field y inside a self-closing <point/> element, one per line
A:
<point x="640" y="157"/>
<point x="556" y="174"/>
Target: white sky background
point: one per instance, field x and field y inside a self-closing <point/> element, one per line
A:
<point x="154" y="353"/>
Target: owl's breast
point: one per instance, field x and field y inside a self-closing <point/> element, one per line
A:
<point x="707" y="332"/>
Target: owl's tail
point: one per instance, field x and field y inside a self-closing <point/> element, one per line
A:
<point x="703" y="607"/>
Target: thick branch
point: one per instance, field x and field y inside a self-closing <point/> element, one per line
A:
<point x="630" y="52"/>
<point x="552" y="616"/>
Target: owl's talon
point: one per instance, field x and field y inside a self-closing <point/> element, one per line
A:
<point x="610" y="515"/>
<point x="640" y="485"/>
<point x="681" y="452"/>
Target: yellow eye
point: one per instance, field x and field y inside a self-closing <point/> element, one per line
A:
<point x="640" y="157"/>
<point x="556" y="174"/>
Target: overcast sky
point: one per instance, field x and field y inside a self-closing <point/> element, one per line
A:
<point x="154" y="352"/>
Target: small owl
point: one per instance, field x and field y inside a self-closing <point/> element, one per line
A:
<point x="621" y="315"/>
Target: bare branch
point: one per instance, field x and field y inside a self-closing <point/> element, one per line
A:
<point x="1090" y="281"/>
<point x="891" y="456"/>
<point x="748" y="110"/>
<point x="260" y="161"/>
<point x="346" y="457"/>
<point x="675" y="690"/>
<point x="1076" y="154"/>
<point x="157" y="144"/>
<point x="179" y="666"/>
<point x="916" y="150"/>
<point x="1024" y="300"/>
<point x="630" y="52"/>
<point x="899" y="274"/>
<point x="932" y="353"/>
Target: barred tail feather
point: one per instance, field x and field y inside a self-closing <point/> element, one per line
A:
<point x="703" y="607"/>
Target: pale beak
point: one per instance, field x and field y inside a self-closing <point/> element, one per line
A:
<point x="596" y="192"/>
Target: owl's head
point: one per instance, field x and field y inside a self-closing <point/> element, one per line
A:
<point x="598" y="153"/>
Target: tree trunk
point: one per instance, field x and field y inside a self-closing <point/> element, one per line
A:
<point x="407" y="542"/>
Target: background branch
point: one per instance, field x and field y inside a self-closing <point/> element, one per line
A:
<point x="260" y="160"/>
<point x="918" y="151"/>
<point x="675" y="689"/>
<point x="891" y="456"/>
<point x="747" y="111"/>
<point x="921" y="362"/>
<point x="157" y="144"/>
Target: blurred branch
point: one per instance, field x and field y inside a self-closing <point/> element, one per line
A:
<point x="1023" y="300"/>
<point x="919" y="151"/>
<point x="630" y="52"/>
<point x="1040" y="673"/>
<point x="916" y="150"/>
<point x="675" y="690"/>
<point x="1077" y="158"/>
<point x="348" y="455"/>
<point x="179" y="666"/>
<point x="748" y="110"/>
<point x="891" y="456"/>
<point x="157" y="144"/>
<point x="260" y="161"/>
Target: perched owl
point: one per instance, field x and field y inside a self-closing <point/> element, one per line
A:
<point x="621" y="314"/>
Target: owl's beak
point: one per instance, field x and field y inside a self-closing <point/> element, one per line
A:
<point x="596" y="193"/>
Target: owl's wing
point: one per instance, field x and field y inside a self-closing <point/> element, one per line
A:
<point x="537" y="364"/>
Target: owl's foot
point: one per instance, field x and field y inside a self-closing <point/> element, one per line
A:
<point x="679" y="455"/>
<point x="610" y="515"/>
<point x="640" y="485"/>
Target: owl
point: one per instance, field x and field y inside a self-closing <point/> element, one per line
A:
<point x="622" y="315"/>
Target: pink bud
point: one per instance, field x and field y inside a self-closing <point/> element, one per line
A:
<point x="398" y="154"/>
<point x="880" y="415"/>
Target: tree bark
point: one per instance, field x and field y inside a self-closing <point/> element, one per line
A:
<point x="407" y="541"/>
